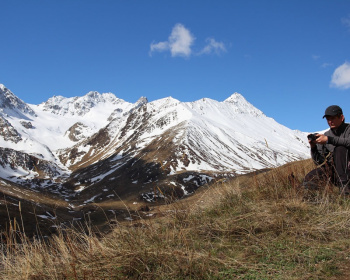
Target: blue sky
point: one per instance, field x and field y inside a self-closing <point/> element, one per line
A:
<point x="290" y="59"/>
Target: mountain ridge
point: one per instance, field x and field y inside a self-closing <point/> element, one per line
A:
<point x="109" y="139"/>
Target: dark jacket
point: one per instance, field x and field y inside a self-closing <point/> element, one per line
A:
<point x="340" y="137"/>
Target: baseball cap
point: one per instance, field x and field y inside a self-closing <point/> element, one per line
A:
<point x="333" y="110"/>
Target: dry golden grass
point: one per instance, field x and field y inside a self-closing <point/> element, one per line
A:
<point x="261" y="226"/>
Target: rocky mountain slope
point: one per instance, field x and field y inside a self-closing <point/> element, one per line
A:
<point x="98" y="147"/>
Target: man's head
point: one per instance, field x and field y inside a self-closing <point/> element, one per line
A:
<point x="334" y="116"/>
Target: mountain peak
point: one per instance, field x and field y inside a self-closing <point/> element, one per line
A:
<point x="93" y="94"/>
<point x="235" y="98"/>
<point x="141" y="101"/>
<point x="10" y="104"/>
<point x="242" y="106"/>
<point x="80" y="106"/>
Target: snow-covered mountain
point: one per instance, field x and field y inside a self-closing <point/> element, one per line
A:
<point x="91" y="147"/>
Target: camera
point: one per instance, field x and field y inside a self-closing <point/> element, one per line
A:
<point x="312" y="137"/>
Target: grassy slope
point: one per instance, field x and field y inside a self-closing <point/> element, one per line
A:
<point x="261" y="226"/>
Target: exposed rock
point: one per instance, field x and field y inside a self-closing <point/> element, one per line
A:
<point x="76" y="132"/>
<point x="27" y="124"/>
<point x="8" y="132"/>
<point x="10" y="158"/>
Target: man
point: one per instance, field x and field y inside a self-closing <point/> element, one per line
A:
<point x="330" y="151"/>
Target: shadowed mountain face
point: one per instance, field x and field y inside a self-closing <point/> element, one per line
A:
<point x="99" y="148"/>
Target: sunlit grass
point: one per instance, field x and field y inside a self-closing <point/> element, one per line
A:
<point x="262" y="226"/>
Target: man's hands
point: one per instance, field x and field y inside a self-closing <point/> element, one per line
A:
<point x="320" y="139"/>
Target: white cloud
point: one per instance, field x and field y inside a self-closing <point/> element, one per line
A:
<point x="179" y="42"/>
<point x="213" y="47"/>
<point x="341" y="76"/>
<point x="161" y="46"/>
